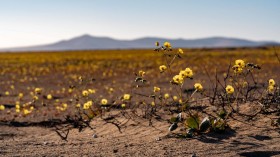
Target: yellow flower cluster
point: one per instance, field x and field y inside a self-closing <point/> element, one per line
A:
<point x="229" y="89"/>
<point x="62" y="108"/>
<point x="271" y="85"/>
<point x="167" y="45"/>
<point x="179" y="79"/>
<point x="240" y="63"/>
<point x="87" y="105"/>
<point x="238" y="67"/>
<point x="91" y="91"/>
<point x="26" y="112"/>
<point x="17" y="107"/>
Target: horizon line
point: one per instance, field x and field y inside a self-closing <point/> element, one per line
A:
<point x="137" y="38"/>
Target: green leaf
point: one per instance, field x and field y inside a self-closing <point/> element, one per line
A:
<point x="173" y="119"/>
<point x="193" y="122"/>
<point x="219" y="125"/>
<point x="176" y="119"/>
<point x="222" y="114"/>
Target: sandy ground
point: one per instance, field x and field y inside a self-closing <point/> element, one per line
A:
<point x="259" y="139"/>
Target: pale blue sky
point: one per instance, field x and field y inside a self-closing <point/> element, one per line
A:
<point x="32" y="22"/>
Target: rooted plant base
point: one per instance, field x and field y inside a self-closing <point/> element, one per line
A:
<point x="143" y="140"/>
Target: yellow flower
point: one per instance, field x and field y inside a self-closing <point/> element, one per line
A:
<point x="141" y="73"/>
<point x="162" y="68"/>
<point x="38" y="90"/>
<point x="24" y="105"/>
<point x="180" y="101"/>
<point x="189" y="73"/>
<point x="85" y="93"/>
<point x="104" y="101"/>
<point x="240" y="63"/>
<point x="167" y="44"/>
<point x="198" y="86"/>
<point x="49" y="96"/>
<point x="26" y="112"/>
<point x="123" y="105"/>
<point x="17" y="103"/>
<point x="20" y="95"/>
<point x="270" y="89"/>
<point x="157" y="43"/>
<point x="153" y="103"/>
<point x="271" y="82"/>
<point x="64" y="105"/>
<point x="175" y="97"/>
<point x="17" y="110"/>
<point x="126" y="96"/>
<point x="180" y="51"/>
<point x="166" y="96"/>
<point x="91" y="91"/>
<point x="57" y="107"/>
<point x="2" y="107"/>
<point x="62" y="108"/>
<point x="111" y="90"/>
<point x="237" y="69"/>
<point x="78" y="105"/>
<point x="31" y="108"/>
<point x="86" y="106"/>
<point x="156" y="89"/>
<point x="70" y="90"/>
<point x="17" y="106"/>
<point x="178" y="79"/>
<point x="229" y="89"/>
<point x="7" y="93"/>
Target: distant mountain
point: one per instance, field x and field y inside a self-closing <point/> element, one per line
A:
<point x="88" y="42"/>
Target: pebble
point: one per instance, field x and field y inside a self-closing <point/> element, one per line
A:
<point x="94" y="136"/>
<point x="158" y="139"/>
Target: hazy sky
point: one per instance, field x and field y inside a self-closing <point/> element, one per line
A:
<point x="32" y="22"/>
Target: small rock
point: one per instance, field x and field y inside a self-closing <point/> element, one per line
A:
<point x="115" y="150"/>
<point x="45" y="143"/>
<point x="158" y="139"/>
<point x="94" y="136"/>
